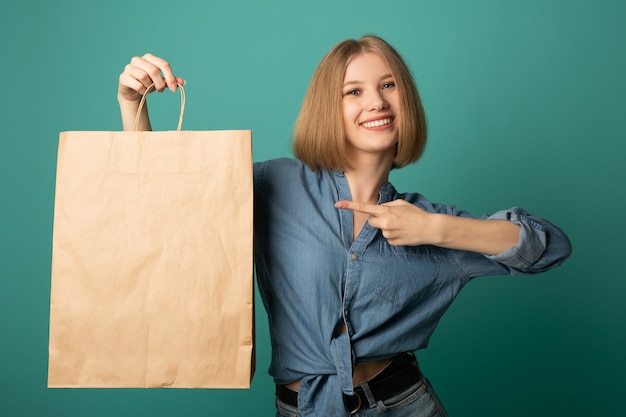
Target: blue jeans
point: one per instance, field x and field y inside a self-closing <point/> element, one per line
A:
<point x="418" y="400"/>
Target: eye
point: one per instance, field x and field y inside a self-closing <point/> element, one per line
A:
<point x="389" y="84"/>
<point x="353" y="92"/>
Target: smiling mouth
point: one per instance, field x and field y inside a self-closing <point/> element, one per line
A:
<point x="377" y="123"/>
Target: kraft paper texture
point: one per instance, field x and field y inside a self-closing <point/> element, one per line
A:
<point x="152" y="260"/>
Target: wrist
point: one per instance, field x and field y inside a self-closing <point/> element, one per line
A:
<point x="439" y="229"/>
<point x="126" y="103"/>
<point x="128" y="110"/>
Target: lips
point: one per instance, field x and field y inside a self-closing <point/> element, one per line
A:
<point x="377" y="123"/>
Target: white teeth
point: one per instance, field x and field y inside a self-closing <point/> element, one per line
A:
<point x="377" y="123"/>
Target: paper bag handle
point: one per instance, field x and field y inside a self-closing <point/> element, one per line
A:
<point x="143" y="102"/>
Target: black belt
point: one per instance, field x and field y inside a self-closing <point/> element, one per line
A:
<point x="399" y="375"/>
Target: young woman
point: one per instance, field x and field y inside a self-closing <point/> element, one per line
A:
<point x="355" y="276"/>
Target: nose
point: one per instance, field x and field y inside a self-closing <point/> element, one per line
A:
<point x="377" y="102"/>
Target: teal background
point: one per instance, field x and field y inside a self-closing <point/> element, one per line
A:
<point x="525" y="103"/>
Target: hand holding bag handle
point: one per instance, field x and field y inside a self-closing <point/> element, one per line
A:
<point x="143" y="102"/>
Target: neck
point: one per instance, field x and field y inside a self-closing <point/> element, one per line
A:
<point x="365" y="182"/>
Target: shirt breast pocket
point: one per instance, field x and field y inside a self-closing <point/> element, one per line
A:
<point x="407" y="274"/>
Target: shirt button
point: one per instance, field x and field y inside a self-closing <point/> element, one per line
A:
<point x="354" y="257"/>
<point x="345" y="313"/>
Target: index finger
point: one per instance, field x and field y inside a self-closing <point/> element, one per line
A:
<point x="359" y="207"/>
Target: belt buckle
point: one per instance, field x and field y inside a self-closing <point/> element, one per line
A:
<point x="355" y="409"/>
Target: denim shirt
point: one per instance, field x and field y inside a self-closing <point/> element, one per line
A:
<point x="313" y="276"/>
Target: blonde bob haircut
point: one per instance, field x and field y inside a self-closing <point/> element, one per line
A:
<point x="319" y="137"/>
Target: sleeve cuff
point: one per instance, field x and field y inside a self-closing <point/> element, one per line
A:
<point x="531" y="244"/>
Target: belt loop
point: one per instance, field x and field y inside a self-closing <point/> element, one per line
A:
<point x="368" y="394"/>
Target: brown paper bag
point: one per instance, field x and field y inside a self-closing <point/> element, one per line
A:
<point x="152" y="260"/>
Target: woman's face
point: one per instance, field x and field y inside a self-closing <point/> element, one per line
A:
<point x="370" y="108"/>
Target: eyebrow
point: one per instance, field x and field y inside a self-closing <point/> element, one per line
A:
<point x="356" y="82"/>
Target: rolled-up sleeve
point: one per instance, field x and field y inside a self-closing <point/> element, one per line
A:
<point x="541" y="245"/>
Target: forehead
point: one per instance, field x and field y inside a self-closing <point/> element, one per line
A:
<point x="364" y="66"/>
